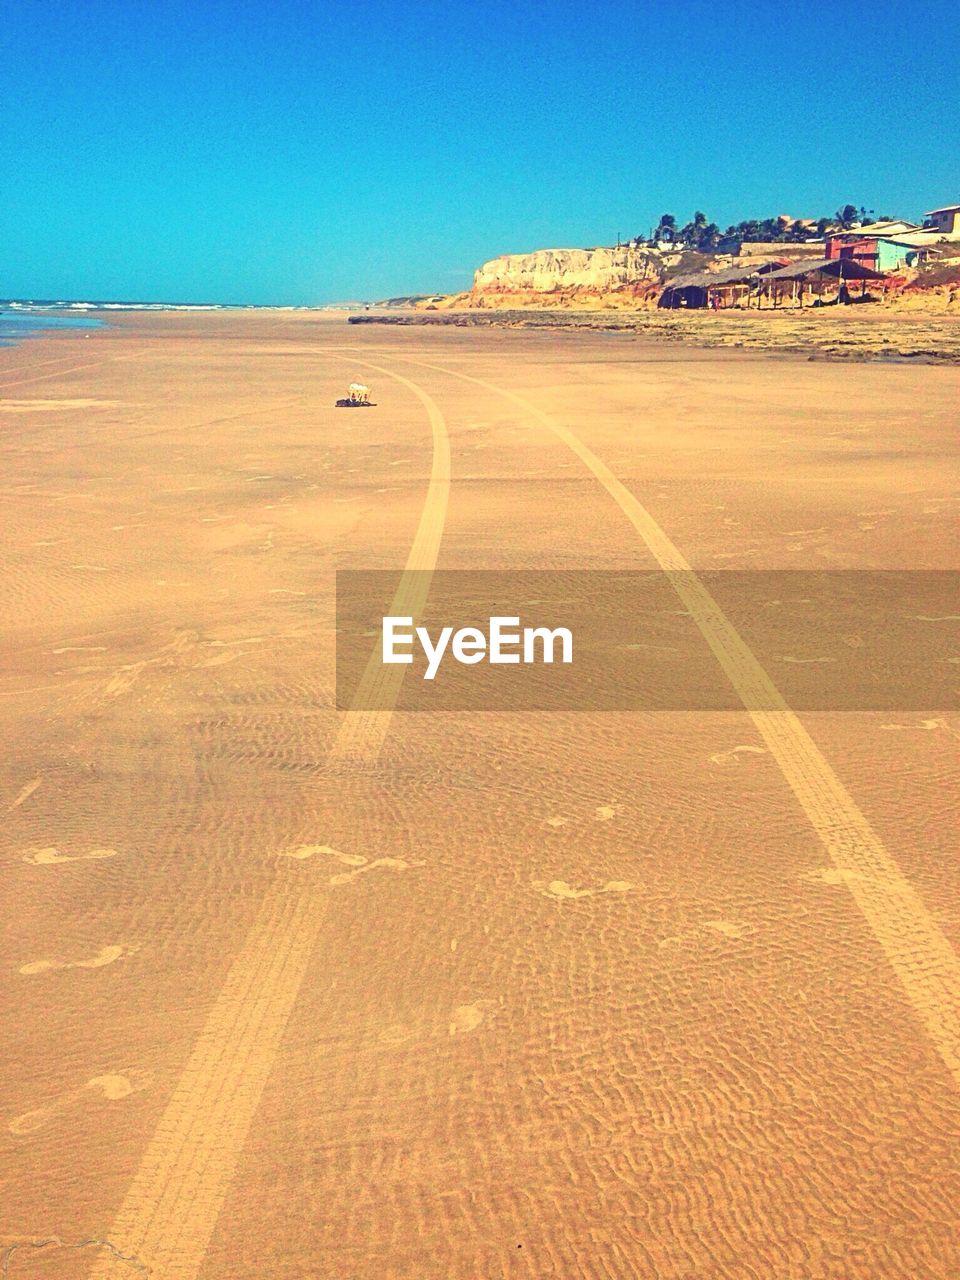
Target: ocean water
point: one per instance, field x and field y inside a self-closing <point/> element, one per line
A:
<point x="16" y="325"/>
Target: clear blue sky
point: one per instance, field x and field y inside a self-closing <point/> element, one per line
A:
<point x="294" y="151"/>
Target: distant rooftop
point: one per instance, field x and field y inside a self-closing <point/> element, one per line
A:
<point x="844" y="268"/>
<point x="890" y="227"/>
<point x="947" y="208"/>
<point x="887" y="224"/>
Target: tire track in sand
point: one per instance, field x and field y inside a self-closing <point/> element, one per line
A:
<point x="362" y="732"/>
<point x="170" y="1210"/>
<point x="57" y="373"/>
<point x="917" y="949"/>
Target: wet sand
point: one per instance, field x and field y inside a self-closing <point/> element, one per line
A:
<point x="297" y="992"/>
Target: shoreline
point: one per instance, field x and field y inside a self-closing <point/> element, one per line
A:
<point x="17" y="326"/>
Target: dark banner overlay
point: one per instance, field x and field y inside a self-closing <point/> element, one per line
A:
<point x="848" y="640"/>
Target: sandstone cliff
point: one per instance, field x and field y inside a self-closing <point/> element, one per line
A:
<point x="569" y="278"/>
<point x="630" y="279"/>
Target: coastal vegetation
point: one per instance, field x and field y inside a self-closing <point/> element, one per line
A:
<point x="707" y="237"/>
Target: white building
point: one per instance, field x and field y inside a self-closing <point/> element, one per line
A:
<point x="946" y="221"/>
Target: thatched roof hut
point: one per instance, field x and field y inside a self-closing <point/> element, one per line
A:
<point x="725" y="286"/>
<point x="790" y="283"/>
<point x="825" y="268"/>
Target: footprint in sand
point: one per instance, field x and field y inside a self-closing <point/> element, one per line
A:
<point x="48" y="857"/>
<point x="124" y="679"/>
<point x="304" y="851"/>
<point x="924" y="724"/>
<point x="393" y="864"/>
<point x="465" y="1018"/>
<point x="106" y="955"/>
<point x="111" y="1088"/>
<point x="24" y="794"/>
<point x="219" y="660"/>
<point x="726" y="927"/>
<point x="607" y="812"/>
<point x="556" y="822"/>
<point x="357" y="863"/>
<point x="560" y="890"/>
<point x="733" y="755"/>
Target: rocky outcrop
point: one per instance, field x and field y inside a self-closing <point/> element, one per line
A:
<point x="575" y="278"/>
<point x="547" y="270"/>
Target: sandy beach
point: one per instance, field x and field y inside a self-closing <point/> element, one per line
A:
<point x="296" y="992"/>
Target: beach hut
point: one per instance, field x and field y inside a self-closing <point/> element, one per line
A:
<point x="716" y="290"/>
<point x="791" y="283"/>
